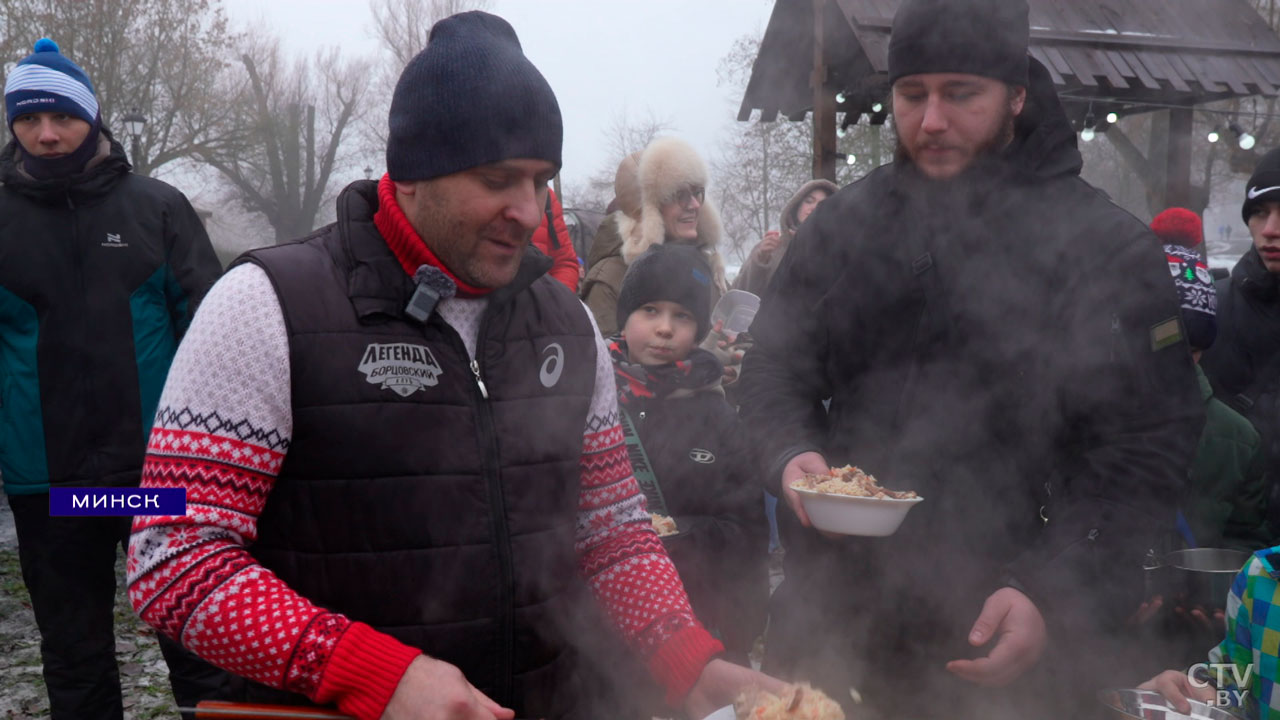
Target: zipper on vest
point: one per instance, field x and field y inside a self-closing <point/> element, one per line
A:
<point x="498" y="515"/>
<point x="475" y="370"/>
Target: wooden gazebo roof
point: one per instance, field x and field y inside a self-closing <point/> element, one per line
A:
<point x="1127" y="56"/>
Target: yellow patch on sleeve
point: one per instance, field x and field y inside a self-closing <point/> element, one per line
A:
<point x="1166" y="333"/>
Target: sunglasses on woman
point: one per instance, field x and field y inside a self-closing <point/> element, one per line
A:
<point x="686" y="196"/>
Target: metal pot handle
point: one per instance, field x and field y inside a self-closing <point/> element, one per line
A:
<point x="1152" y="561"/>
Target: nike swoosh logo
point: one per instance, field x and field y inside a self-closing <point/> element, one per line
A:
<point x="1255" y="193"/>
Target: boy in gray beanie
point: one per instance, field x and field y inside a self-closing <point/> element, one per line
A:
<point x="455" y="469"/>
<point x="695" y="465"/>
<point x="671" y="273"/>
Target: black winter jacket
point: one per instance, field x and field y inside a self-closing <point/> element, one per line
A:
<point x="445" y="516"/>
<point x="100" y="274"/>
<point x="1005" y="344"/>
<point x="711" y="485"/>
<point x="1243" y="364"/>
<point x="1244" y="361"/>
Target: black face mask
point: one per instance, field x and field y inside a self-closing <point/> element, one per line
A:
<point x="65" y="166"/>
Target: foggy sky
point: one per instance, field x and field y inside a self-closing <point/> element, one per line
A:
<point x="606" y="56"/>
<point x="601" y="57"/>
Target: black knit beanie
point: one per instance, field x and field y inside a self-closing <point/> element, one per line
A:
<point x="470" y="98"/>
<point x="674" y="273"/>
<point x="974" y="37"/>
<point x="1264" y="184"/>
<point x="1197" y="299"/>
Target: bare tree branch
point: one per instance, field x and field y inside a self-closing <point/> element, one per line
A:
<point x="761" y="164"/>
<point x="298" y="117"/>
<point x="164" y="57"/>
<point x="402" y="28"/>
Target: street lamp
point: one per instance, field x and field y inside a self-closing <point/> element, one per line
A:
<point x="368" y="173"/>
<point x="133" y="124"/>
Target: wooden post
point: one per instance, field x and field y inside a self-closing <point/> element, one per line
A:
<point x="1178" y="159"/>
<point x="824" y="101"/>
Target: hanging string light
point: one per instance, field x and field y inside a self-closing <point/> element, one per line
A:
<point x="1244" y="139"/>
<point x="1087" y="132"/>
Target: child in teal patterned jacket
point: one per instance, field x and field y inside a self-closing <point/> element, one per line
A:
<point x="1242" y="670"/>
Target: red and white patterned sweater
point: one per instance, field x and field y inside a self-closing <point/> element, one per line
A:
<point x="222" y="432"/>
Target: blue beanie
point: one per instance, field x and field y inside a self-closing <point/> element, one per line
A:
<point x="46" y="81"/>
<point x="470" y="98"/>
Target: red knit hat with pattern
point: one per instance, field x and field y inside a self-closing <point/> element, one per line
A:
<point x="1178" y="226"/>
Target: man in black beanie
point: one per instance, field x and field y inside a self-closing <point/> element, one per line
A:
<point x="399" y="440"/>
<point x="1244" y="362"/>
<point x="994" y="334"/>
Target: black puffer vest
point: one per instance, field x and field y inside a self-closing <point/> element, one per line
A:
<point x="434" y="507"/>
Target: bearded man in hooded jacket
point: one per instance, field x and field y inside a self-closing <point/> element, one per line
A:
<point x="996" y="335"/>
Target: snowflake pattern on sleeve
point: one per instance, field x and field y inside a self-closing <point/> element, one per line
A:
<point x="222" y="432"/>
<point x="620" y="555"/>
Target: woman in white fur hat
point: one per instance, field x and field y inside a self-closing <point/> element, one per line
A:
<point x="662" y="198"/>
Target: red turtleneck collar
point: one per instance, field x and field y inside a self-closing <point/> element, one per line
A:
<point x="403" y="240"/>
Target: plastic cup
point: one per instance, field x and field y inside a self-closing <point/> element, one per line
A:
<point x="736" y="310"/>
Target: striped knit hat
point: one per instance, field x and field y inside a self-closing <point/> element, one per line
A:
<point x="46" y="81"/>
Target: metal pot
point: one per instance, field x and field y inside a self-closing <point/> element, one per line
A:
<point x="1198" y="577"/>
<point x="1148" y="705"/>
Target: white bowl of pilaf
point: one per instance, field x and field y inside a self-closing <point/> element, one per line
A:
<point x="848" y="501"/>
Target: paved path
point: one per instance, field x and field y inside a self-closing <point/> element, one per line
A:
<point x="22" y="693"/>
